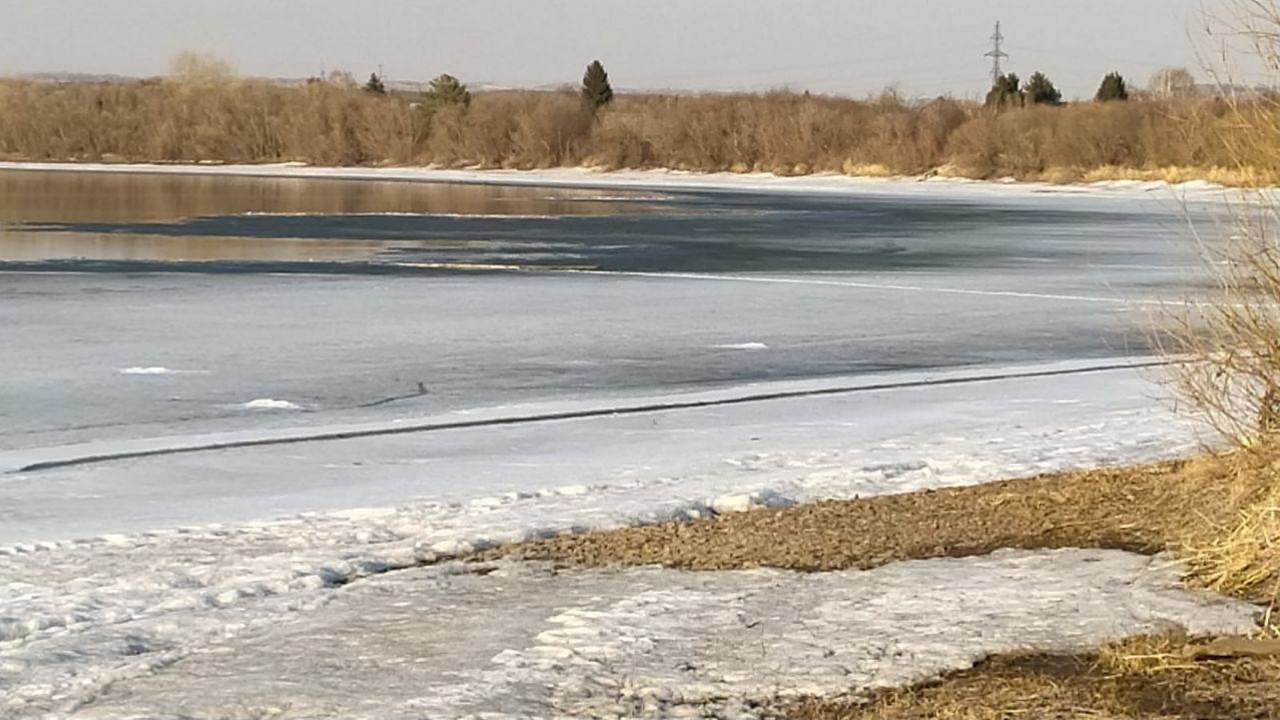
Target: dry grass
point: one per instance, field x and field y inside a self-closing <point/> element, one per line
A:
<point x="1228" y="176"/>
<point x="1143" y="678"/>
<point x="1245" y="560"/>
<point x="1185" y="506"/>
<point x="215" y="117"/>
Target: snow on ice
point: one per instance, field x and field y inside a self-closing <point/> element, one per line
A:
<point x="270" y="404"/>
<point x="127" y="623"/>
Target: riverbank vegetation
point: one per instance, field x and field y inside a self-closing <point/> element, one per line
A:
<point x="204" y="114"/>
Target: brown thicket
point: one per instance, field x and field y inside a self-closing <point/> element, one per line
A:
<point x="1228" y="342"/>
<point x="209" y="117"/>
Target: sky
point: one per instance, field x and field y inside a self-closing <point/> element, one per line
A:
<point x="847" y="47"/>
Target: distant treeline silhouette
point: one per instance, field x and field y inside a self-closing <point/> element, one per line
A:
<point x="202" y="115"/>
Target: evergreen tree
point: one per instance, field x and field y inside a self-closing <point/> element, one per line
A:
<point x="1006" y="93"/>
<point x="1041" y="91"/>
<point x="1113" y="88"/>
<point x="596" y="90"/>
<point x="448" y="90"/>
<point x="375" y="85"/>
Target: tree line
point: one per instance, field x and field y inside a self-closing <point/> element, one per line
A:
<point x="1009" y="90"/>
<point x="201" y="112"/>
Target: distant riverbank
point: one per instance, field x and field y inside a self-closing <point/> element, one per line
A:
<point x="782" y="133"/>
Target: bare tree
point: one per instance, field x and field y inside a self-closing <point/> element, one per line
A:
<point x="199" y="68"/>
<point x="341" y="78"/>
<point x="1172" y="83"/>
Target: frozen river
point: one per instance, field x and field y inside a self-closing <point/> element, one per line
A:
<point x="150" y="312"/>
<point x="139" y="306"/>
<point x="245" y="422"/>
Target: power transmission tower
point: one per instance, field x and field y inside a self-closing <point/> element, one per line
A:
<point x="997" y="54"/>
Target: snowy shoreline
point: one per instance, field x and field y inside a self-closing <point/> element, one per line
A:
<point x="826" y="183"/>
<point x="90" y="628"/>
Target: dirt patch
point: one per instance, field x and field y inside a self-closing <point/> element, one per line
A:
<point x="1141" y="678"/>
<point x="1146" y="509"/>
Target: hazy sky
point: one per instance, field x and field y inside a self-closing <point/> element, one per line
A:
<point x="926" y="47"/>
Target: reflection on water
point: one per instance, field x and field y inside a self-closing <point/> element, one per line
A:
<point x="32" y="247"/>
<point x="37" y="208"/>
<point x="38" y="196"/>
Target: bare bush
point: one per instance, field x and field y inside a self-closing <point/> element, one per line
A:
<point x="1228" y="343"/>
<point x="200" y="68"/>
<point x="1230" y="340"/>
<point x="1172" y="83"/>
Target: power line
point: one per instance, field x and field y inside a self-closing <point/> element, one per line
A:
<point x="997" y="54"/>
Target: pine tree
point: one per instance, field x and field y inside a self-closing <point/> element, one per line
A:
<point x="448" y="90"/>
<point x="1006" y="93"/>
<point x="375" y="85"/>
<point x="1041" y="91"/>
<point x="1113" y="88"/>
<point x="596" y="90"/>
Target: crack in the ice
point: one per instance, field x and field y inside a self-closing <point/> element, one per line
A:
<point x="585" y="414"/>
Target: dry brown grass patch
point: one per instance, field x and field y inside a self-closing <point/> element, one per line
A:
<point x="1245" y="560"/>
<point x="1143" y="678"/>
<point x="1184" y="506"/>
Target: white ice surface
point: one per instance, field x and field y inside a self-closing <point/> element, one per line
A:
<point x="861" y="435"/>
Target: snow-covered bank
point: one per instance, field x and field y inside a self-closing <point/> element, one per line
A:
<point x="588" y="644"/>
<point x="665" y="180"/>
<point x="77" y="615"/>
